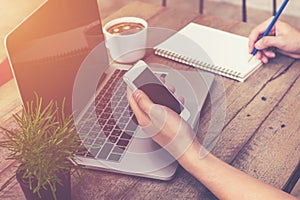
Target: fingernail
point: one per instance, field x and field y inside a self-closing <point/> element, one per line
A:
<point x="136" y="94"/>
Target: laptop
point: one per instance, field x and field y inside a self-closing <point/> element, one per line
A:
<point x="58" y="52"/>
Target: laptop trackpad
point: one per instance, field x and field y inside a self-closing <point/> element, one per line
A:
<point x="142" y="143"/>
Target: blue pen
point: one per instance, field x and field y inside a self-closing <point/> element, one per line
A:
<point x="278" y="13"/>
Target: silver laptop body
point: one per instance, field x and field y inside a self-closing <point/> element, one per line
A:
<point x="58" y="52"/>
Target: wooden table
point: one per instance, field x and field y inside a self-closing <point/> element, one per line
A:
<point x="260" y="135"/>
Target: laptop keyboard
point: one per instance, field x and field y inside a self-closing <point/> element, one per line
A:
<point x="108" y="137"/>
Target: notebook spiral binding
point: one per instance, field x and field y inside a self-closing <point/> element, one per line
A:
<point x="198" y="64"/>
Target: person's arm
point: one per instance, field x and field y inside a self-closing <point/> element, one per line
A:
<point x="225" y="181"/>
<point x="283" y="37"/>
<point x="173" y="133"/>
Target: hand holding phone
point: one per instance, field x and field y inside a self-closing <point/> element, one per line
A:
<point x="140" y="76"/>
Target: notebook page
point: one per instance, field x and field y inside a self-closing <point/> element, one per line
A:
<point x="226" y="50"/>
<point x="210" y="49"/>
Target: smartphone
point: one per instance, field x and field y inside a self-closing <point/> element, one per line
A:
<point x="140" y="76"/>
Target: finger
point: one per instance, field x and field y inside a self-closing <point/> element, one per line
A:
<point x="143" y="101"/>
<point x="260" y="56"/>
<point x="171" y="88"/>
<point x="162" y="78"/>
<point x="256" y="33"/>
<point x="264" y="59"/>
<point x="181" y="99"/>
<point x="269" y="41"/>
<point x="142" y="117"/>
<point x="270" y="54"/>
<point x="156" y="116"/>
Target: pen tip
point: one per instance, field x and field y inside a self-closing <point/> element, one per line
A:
<point x="249" y="60"/>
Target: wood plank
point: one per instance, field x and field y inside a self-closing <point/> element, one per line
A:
<point x="10" y="100"/>
<point x="101" y="185"/>
<point x="13" y="191"/>
<point x="183" y="186"/>
<point x="238" y="95"/>
<point x="164" y="26"/>
<point x="145" y="11"/>
<point x="275" y="148"/>
<point x="10" y="184"/>
<point x="7" y="167"/>
<point x="253" y="113"/>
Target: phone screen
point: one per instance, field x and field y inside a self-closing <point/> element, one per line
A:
<point x="157" y="92"/>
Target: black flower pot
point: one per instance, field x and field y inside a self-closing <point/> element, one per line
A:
<point x="63" y="192"/>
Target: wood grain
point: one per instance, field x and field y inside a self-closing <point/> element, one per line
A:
<point x="275" y="147"/>
<point x="145" y="11"/>
<point x="259" y="135"/>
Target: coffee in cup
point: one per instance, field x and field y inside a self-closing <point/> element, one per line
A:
<point x="126" y="38"/>
<point x="125" y="28"/>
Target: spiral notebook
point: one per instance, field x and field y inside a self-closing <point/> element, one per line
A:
<point x="210" y="49"/>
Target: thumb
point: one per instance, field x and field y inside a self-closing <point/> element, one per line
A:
<point x="268" y="41"/>
<point x="143" y="101"/>
<point x="155" y="112"/>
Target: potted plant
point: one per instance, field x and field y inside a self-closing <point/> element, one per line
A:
<point x="44" y="142"/>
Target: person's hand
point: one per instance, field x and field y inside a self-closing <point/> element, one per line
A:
<point x="282" y="36"/>
<point x="165" y="126"/>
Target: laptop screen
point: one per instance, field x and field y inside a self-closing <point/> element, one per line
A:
<point x="48" y="47"/>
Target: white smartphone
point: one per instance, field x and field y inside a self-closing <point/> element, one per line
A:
<point x="140" y="76"/>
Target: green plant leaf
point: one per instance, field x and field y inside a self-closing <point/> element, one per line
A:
<point x="44" y="143"/>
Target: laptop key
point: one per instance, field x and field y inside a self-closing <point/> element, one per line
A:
<point x="131" y="126"/>
<point x="118" y="149"/>
<point x="114" y="157"/>
<point x="93" y="134"/>
<point x="124" y="120"/>
<point x="121" y="125"/>
<point x="106" y="149"/>
<point x="100" y="106"/>
<point x="123" y="143"/>
<point x="105" y="115"/>
<point x="94" y="151"/>
<point x="116" y="116"/>
<point x="97" y="128"/>
<point x="113" y="139"/>
<point x="119" y="110"/>
<point x="84" y="129"/>
<point x="108" y="128"/>
<point x="88" y="141"/>
<point x="126" y="136"/>
<point x="111" y="122"/>
<point x="102" y="122"/>
<point x="102" y="135"/>
<point x="116" y="132"/>
<point x="99" y="141"/>
<point x="123" y="104"/>
<point x="108" y="110"/>
<point x="106" y="133"/>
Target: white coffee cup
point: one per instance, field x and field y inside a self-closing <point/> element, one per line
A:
<point x="129" y="47"/>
